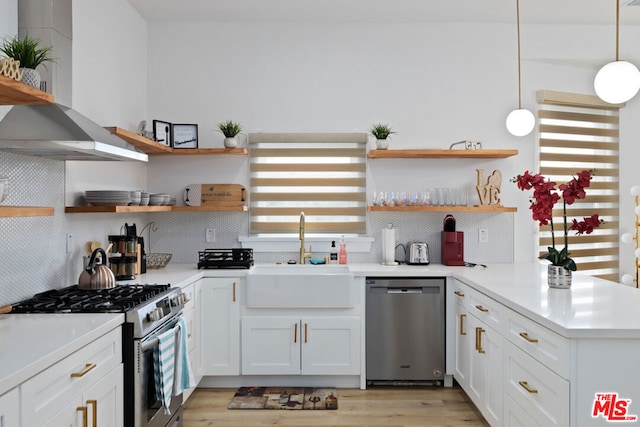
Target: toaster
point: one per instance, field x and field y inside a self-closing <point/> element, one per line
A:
<point x="418" y="253"/>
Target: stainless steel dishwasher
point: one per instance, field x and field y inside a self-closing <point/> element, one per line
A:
<point x="405" y="321"/>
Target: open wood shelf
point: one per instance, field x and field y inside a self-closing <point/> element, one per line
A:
<point x="143" y="209"/>
<point x="151" y="147"/>
<point x="441" y="154"/>
<point x="485" y="208"/>
<point x="25" y="211"/>
<point x="13" y="92"/>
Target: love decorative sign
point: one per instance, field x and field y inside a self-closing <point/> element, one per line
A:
<point x="9" y="67"/>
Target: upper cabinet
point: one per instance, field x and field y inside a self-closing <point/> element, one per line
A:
<point x="13" y="92"/>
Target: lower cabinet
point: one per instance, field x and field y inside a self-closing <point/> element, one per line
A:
<point x="462" y="351"/>
<point x="219" y="324"/>
<point x="281" y="345"/>
<point x="10" y="409"/>
<point x="85" y="388"/>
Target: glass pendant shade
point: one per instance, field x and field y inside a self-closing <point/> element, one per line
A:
<point x="627" y="238"/>
<point x="617" y="82"/>
<point x="520" y="122"/>
<point x="627" y="279"/>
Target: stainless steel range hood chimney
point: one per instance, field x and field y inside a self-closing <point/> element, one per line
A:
<point x="59" y="132"/>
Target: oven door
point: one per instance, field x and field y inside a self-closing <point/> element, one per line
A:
<point x="148" y="407"/>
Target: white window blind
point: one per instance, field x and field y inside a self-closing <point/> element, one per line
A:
<point x="580" y="132"/>
<point x="322" y="175"/>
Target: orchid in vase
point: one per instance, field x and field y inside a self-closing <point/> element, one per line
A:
<point x="545" y="196"/>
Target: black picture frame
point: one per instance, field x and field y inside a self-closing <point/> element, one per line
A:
<point x="185" y="135"/>
<point x="162" y="132"/>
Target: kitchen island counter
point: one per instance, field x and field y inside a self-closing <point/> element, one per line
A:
<point x="33" y="342"/>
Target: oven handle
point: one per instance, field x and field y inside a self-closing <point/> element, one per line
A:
<point x="152" y="342"/>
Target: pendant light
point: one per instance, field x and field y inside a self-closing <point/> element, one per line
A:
<point x="617" y="81"/>
<point x="520" y="122"/>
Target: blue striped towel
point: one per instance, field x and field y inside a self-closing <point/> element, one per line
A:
<point x="183" y="378"/>
<point x="164" y="366"/>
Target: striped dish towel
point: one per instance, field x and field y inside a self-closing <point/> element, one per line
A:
<point x="183" y="378"/>
<point x="164" y="366"/>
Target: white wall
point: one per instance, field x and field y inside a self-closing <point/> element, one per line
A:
<point x="434" y="83"/>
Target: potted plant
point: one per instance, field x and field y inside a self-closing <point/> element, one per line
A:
<point x="27" y="50"/>
<point x="230" y="130"/>
<point x="545" y="196"/>
<point x="381" y="132"/>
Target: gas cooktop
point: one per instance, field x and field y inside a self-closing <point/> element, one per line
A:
<point x="72" y="299"/>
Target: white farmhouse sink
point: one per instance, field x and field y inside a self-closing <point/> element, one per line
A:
<point x="300" y="286"/>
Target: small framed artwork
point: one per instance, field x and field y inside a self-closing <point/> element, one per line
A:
<point x="185" y="136"/>
<point x="162" y="132"/>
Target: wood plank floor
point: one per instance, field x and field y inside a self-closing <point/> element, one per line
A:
<point x="376" y="406"/>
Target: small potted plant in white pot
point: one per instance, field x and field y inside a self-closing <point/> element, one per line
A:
<point x="230" y="130"/>
<point x="27" y="50"/>
<point x="381" y="132"/>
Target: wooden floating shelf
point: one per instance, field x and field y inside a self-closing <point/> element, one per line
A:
<point x="13" y="92"/>
<point x="25" y="211"/>
<point x="144" y="209"/>
<point x="486" y="208"/>
<point x="151" y="147"/>
<point x="441" y="154"/>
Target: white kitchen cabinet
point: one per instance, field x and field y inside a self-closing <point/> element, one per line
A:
<point x="10" y="409"/>
<point x="462" y="341"/>
<point x="219" y="325"/>
<point x="89" y="380"/>
<point x="191" y="315"/>
<point x="285" y="345"/>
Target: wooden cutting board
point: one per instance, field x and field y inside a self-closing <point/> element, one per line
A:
<point x="215" y="195"/>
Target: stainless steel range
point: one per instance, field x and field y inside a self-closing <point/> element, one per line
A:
<point x="149" y="311"/>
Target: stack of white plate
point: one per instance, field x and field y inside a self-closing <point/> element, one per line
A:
<point x="159" y="199"/>
<point x="108" y="197"/>
<point x="144" y="199"/>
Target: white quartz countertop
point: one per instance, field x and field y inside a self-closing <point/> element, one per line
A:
<point x="592" y="308"/>
<point x="33" y="342"/>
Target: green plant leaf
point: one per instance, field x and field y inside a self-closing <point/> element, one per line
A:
<point x="230" y="128"/>
<point x="26" y="51"/>
<point x="381" y="131"/>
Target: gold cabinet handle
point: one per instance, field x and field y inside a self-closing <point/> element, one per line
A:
<point x="479" y="332"/>
<point x="305" y="333"/>
<point x="85" y="420"/>
<point x="234" y="291"/>
<point x="482" y="309"/>
<point x="459" y="293"/>
<point x="94" y="404"/>
<point x="87" y="368"/>
<point x="295" y="333"/>
<point x="525" y="385"/>
<point x="527" y="337"/>
<point x="462" y="332"/>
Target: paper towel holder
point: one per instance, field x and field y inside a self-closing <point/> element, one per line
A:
<point x="389" y="245"/>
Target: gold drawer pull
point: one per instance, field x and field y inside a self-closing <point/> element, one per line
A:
<point x="462" y="332"/>
<point x="305" y="333"/>
<point x="94" y="403"/>
<point x="87" y="368"/>
<point x="234" y="292"/>
<point x="482" y="309"/>
<point x="525" y="385"/>
<point x="85" y="420"/>
<point x="526" y="337"/>
<point x="459" y="293"/>
<point x="295" y="332"/>
<point x="479" y="332"/>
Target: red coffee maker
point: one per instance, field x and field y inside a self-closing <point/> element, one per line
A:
<point x="452" y="244"/>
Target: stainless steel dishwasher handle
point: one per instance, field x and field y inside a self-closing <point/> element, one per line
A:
<point x="404" y="290"/>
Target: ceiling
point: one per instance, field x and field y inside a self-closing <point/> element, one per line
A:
<point x="599" y="12"/>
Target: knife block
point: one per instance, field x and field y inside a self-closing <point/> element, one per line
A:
<point x="452" y="247"/>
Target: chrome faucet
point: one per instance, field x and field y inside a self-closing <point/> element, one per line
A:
<point x="303" y="252"/>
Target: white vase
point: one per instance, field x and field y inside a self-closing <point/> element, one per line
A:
<point x="382" y="144"/>
<point x="31" y="77"/>
<point x="231" y="142"/>
<point x="558" y="277"/>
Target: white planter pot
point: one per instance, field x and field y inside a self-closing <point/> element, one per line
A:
<point x="31" y="77"/>
<point x="382" y="144"/>
<point x="231" y="142"/>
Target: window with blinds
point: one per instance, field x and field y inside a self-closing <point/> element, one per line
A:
<point x="578" y="132"/>
<point x="322" y="175"/>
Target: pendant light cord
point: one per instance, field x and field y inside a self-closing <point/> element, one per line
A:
<point x="519" y="78"/>
<point x="617" y="29"/>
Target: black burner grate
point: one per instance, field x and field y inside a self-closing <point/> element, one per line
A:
<point x="226" y="258"/>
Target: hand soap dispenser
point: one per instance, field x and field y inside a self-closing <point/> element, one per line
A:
<point x="342" y="255"/>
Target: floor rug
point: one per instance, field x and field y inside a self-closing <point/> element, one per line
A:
<point x="284" y="398"/>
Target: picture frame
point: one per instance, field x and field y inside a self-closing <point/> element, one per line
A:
<point x="185" y="136"/>
<point x="162" y="132"/>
